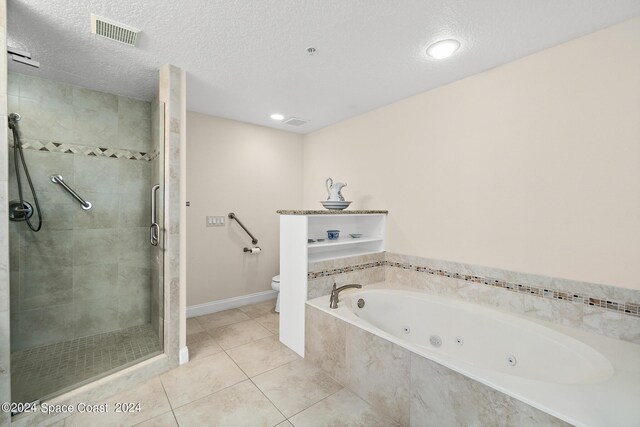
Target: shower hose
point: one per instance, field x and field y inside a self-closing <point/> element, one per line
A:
<point x="18" y="153"/>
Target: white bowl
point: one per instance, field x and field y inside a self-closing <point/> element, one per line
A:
<point x="335" y="205"/>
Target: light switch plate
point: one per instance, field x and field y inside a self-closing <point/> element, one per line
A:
<point x="215" y="221"/>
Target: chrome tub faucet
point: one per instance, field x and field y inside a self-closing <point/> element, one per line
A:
<point x="333" y="301"/>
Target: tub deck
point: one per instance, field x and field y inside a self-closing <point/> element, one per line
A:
<point x="612" y="401"/>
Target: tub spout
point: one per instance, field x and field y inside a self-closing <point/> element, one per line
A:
<point x="333" y="301"/>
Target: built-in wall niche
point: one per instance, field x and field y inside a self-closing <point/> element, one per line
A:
<point x="297" y="253"/>
<point x="370" y="227"/>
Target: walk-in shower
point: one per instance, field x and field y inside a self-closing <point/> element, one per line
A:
<point x="86" y="290"/>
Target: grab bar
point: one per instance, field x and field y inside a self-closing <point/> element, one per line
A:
<point x="154" y="230"/>
<point x="253" y="239"/>
<point x="57" y="179"/>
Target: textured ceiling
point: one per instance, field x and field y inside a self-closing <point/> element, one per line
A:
<point x="247" y="59"/>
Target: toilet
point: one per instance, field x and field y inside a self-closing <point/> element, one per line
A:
<point x="275" y="285"/>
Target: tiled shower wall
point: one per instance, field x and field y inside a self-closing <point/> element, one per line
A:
<point x="5" y="377"/>
<point x="85" y="272"/>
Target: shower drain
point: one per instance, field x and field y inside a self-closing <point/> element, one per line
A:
<point x="406" y="330"/>
<point x="511" y="360"/>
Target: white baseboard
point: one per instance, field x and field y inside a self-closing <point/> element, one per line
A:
<point x="226" y="304"/>
<point x="183" y="356"/>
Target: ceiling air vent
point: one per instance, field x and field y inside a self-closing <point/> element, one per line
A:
<point x="294" y="121"/>
<point x="113" y="30"/>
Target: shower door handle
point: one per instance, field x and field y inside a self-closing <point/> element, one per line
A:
<point x="154" y="230"/>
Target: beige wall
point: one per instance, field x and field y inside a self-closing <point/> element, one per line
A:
<point x="242" y="168"/>
<point x="533" y="166"/>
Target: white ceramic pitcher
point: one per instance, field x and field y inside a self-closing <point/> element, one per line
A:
<point x="334" y="190"/>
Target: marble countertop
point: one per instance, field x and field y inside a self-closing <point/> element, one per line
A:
<point x="329" y="212"/>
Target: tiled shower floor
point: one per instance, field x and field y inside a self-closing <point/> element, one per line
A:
<point x="42" y="371"/>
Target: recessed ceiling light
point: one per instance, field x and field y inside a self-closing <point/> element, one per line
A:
<point x="443" y="48"/>
<point x="277" y="117"/>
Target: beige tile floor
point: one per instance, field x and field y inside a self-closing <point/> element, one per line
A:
<point x="239" y="375"/>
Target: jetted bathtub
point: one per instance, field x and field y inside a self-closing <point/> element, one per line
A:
<point x="581" y="378"/>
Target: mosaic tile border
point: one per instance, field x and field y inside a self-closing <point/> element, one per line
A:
<point x="154" y="154"/>
<point x="626" y="308"/>
<point x="59" y="147"/>
<point x="348" y="269"/>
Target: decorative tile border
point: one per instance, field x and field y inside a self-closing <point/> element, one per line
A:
<point x="59" y="147"/>
<point x="627" y="308"/>
<point x="348" y="269"/>
<point x="154" y="154"/>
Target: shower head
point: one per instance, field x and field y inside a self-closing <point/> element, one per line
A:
<point x="26" y="61"/>
<point x="22" y="57"/>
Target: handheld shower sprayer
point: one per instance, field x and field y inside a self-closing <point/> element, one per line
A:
<point x="21" y="210"/>
<point x="14" y="118"/>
